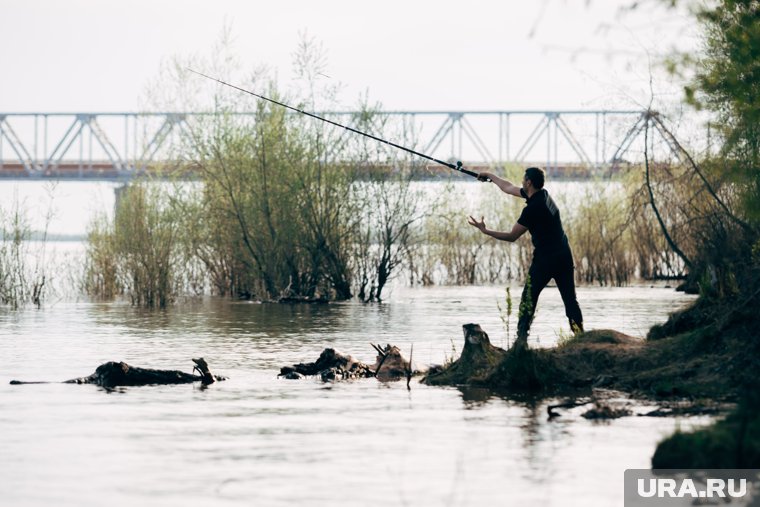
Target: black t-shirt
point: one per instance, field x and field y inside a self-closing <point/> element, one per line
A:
<point x="541" y="217"/>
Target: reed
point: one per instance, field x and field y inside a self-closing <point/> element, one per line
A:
<point x="23" y="277"/>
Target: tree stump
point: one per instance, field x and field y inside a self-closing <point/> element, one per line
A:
<point x="477" y="360"/>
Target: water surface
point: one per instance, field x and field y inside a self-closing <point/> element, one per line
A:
<point x="257" y="439"/>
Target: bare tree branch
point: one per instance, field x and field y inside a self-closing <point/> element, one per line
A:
<point x="670" y="241"/>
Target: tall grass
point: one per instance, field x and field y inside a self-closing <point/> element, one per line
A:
<point x="23" y="277"/>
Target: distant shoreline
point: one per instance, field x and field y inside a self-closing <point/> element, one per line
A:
<point x="41" y="236"/>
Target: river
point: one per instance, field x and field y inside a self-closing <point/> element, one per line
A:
<point x="260" y="440"/>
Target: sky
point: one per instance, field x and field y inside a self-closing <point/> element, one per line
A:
<point x="103" y="56"/>
<point x="97" y="55"/>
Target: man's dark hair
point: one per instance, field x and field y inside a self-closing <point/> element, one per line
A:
<point x="536" y="176"/>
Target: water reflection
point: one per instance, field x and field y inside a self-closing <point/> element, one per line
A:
<point x="474" y="397"/>
<point x="259" y="439"/>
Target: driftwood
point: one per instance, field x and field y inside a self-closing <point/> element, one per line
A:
<point x="118" y="374"/>
<point x="333" y="365"/>
<point x="330" y="365"/>
<point x="571" y="403"/>
<point x="688" y="408"/>
<point x="391" y="363"/>
<point x="602" y="410"/>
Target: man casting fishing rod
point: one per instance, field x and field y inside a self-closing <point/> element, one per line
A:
<point x="552" y="257"/>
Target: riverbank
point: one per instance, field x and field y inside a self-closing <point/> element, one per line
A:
<point x="703" y="355"/>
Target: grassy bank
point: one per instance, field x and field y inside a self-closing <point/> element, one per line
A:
<point x="706" y="353"/>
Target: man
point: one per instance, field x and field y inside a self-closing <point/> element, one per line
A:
<point x="552" y="257"/>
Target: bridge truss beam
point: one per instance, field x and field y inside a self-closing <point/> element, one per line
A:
<point x="85" y="145"/>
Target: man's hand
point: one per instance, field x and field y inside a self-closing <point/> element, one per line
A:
<point x="481" y="226"/>
<point x="484" y="176"/>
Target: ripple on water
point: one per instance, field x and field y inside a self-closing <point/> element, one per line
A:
<point x="257" y="438"/>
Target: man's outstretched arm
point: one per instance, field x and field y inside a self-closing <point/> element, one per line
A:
<point x="511" y="236"/>
<point x="505" y="186"/>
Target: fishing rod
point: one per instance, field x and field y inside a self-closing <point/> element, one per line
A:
<point x="457" y="167"/>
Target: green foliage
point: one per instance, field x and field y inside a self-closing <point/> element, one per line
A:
<point x="448" y="361"/>
<point x="730" y="443"/>
<point x="21" y="282"/>
<point x="141" y="253"/>
<point x="505" y="314"/>
<point x="100" y="278"/>
<point x="247" y="175"/>
<point x="276" y="215"/>
<point x="727" y="82"/>
<point x="565" y="338"/>
<point x="389" y="205"/>
<point x="300" y="218"/>
<point x="718" y="216"/>
<point x="287" y="206"/>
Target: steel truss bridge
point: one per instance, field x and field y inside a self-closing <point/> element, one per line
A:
<point x="123" y="145"/>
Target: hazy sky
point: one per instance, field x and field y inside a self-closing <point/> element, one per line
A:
<point x="96" y="55"/>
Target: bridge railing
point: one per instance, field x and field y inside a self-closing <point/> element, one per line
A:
<point x="87" y="145"/>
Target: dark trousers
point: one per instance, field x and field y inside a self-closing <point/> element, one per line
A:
<point x="560" y="266"/>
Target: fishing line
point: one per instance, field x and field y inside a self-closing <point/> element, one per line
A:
<point x="457" y="167"/>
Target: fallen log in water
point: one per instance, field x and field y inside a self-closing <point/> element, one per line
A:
<point x="331" y="365"/>
<point x="392" y="365"/>
<point x="120" y="374"/>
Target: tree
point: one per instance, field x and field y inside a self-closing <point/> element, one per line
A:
<point x="727" y="82"/>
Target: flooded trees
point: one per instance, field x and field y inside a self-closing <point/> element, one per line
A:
<point x="140" y="253"/>
<point x="277" y="214"/>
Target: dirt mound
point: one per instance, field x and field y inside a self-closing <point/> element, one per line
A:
<point x="677" y="366"/>
<point x="606" y="336"/>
